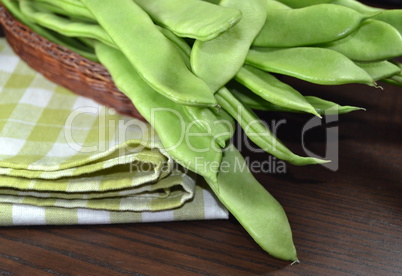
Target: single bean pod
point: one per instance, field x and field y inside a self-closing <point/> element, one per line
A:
<point x="64" y="26"/>
<point x="257" y="131"/>
<point x="191" y="18"/>
<point x="256" y="210"/>
<point x="217" y="61"/>
<point x="273" y="90"/>
<point x="379" y="70"/>
<point x="307" y="26"/>
<point x="374" y="40"/>
<point x="322" y="107"/>
<point x="312" y="64"/>
<point x="153" y="56"/>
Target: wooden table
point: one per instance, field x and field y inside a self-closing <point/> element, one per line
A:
<point x="345" y="222"/>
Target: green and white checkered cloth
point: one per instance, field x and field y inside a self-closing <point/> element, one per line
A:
<point x="65" y="159"/>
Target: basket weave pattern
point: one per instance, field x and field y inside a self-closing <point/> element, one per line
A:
<point x="65" y="67"/>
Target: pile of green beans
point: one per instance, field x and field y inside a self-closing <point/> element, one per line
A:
<point x="205" y="65"/>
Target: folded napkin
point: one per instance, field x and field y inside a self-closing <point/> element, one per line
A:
<point x="65" y="159"/>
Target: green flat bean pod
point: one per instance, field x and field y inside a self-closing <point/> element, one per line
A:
<point x="307" y="26"/>
<point x="357" y="6"/>
<point x="217" y="61"/>
<point x="322" y="107"/>
<point x="379" y="70"/>
<point x="374" y="40"/>
<point x="303" y="3"/>
<point x="273" y="90"/>
<point x="64" y="26"/>
<point x="191" y="18"/>
<point x="168" y="118"/>
<point x="258" y="132"/>
<point x="259" y="213"/>
<point x="312" y="64"/>
<point x="156" y="58"/>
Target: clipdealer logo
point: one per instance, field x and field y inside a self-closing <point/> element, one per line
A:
<point x="332" y="138"/>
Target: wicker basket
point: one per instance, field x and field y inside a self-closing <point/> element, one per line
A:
<point x="65" y="67"/>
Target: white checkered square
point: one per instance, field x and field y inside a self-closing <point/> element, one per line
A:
<point x="9" y="60"/>
<point x="86" y="216"/>
<point x="36" y="97"/>
<point x="63" y="150"/>
<point x="10" y="146"/>
<point x="25" y="215"/>
<point x="92" y="106"/>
